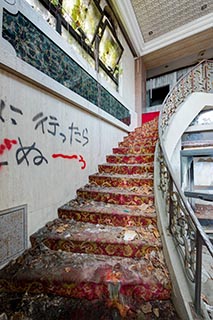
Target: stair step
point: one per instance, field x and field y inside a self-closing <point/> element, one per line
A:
<point x="130" y="159"/>
<point x="137" y="142"/>
<point x="138" y="149"/>
<point x="92" y="277"/>
<point x="147" y="128"/>
<point x="126" y="168"/>
<point x="134" y="142"/>
<point x="122" y="181"/>
<point x="55" y="307"/>
<point x="109" y="214"/>
<point x="74" y="236"/>
<point x="136" y="196"/>
<point x="142" y="135"/>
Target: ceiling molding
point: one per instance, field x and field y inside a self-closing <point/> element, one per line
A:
<point x="128" y="18"/>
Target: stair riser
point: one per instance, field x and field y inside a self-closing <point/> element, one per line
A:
<point x="100" y="248"/>
<point x="146" y="129"/>
<point x="133" y="159"/>
<point x="135" y="143"/>
<point x="134" y="150"/>
<point x="118" y="220"/>
<point x="142" y="135"/>
<point x="120" y="182"/>
<point x="89" y="291"/>
<point x="125" y="169"/>
<point x="114" y="198"/>
<point x="62" y="288"/>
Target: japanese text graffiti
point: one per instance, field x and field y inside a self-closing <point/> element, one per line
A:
<point x="2" y="106"/>
<point x="13" y="109"/>
<point x="30" y="153"/>
<point x="78" y="136"/>
<point x="22" y="154"/>
<point x="51" y="125"/>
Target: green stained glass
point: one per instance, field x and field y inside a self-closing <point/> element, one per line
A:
<point x="83" y="15"/>
<point x="35" y="48"/>
<point x="110" y="50"/>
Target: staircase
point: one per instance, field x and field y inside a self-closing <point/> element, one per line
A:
<point x="102" y="258"/>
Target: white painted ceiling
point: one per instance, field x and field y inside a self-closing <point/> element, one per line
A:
<point x="158" y="17"/>
<point x="169" y="34"/>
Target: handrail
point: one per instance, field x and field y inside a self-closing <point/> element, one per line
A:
<point x="195" y="80"/>
<point x="183" y="223"/>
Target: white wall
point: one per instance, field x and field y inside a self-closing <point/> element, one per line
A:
<point x="46" y="186"/>
<point x="127" y="78"/>
<point x="25" y="93"/>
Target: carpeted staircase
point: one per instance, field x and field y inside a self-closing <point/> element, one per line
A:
<point x="103" y="256"/>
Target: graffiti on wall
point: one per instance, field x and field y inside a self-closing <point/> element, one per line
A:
<point x="23" y="154"/>
<point x="46" y="125"/>
<point x="5" y="146"/>
<point x="70" y="157"/>
<point x="13" y="109"/>
<point x="49" y="124"/>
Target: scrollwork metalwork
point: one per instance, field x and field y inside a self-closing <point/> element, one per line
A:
<point x="183" y="224"/>
<point x="163" y="175"/>
<point x="184" y="231"/>
<point x="199" y="79"/>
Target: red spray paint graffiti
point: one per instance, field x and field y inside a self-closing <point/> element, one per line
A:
<point x="6" y="145"/>
<point x="70" y="157"/>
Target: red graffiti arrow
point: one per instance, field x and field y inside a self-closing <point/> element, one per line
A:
<point x="70" y="157"/>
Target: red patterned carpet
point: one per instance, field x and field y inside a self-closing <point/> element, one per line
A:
<point x="103" y="253"/>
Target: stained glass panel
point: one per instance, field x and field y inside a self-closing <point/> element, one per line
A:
<point x="84" y="16"/>
<point x="110" y="49"/>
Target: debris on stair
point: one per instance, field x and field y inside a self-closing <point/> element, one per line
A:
<point x="102" y="258"/>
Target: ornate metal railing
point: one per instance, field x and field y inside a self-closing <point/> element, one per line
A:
<point x="183" y="223"/>
<point x="199" y="79"/>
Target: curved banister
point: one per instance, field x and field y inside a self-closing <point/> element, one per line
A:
<point x="198" y="79"/>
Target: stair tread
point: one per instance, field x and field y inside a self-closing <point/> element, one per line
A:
<point x="131" y="154"/>
<point x="144" y="165"/>
<point x="139" y="191"/>
<point x="71" y="230"/>
<point x="98" y="212"/>
<point x="63" y="272"/>
<point x="146" y="175"/>
<point x="130" y="158"/>
<point x="142" y="135"/>
<point x="137" y="142"/>
<point x="95" y="206"/>
<point x="134" y="148"/>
